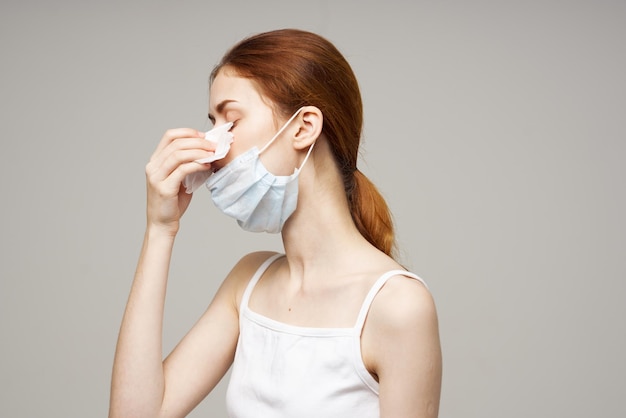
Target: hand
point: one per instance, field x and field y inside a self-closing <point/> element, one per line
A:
<point x="173" y="159"/>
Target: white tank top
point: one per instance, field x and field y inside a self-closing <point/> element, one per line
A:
<point x="287" y="371"/>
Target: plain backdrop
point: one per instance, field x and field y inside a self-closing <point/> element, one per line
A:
<point x="495" y="130"/>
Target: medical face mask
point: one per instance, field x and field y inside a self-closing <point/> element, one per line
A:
<point x="259" y="200"/>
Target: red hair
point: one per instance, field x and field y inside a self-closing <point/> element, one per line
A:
<point x="295" y="68"/>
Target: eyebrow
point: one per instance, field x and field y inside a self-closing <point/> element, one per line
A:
<point x="219" y="108"/>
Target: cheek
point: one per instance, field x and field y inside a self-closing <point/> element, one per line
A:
<point x="241" y="143"/>
<point x="252" y="132"/>
<point x="279" y="159"/>
<point x="247" y="135"/>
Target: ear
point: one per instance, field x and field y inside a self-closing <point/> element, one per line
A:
<point x="309" y="123"/>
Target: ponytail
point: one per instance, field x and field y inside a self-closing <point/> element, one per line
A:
<point x="371" y="214"/>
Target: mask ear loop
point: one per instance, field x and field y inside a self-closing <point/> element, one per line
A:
<point x="280" y="131"/>
<point x="305" y="158"/>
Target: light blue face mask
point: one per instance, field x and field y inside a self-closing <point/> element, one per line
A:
<point x="258" y="199"/>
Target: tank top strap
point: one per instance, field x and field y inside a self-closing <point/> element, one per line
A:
<point x="253" y="281"/>
<point x="378" y="284"/>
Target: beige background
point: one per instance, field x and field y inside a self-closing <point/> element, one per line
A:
<point x="495" y="129"/>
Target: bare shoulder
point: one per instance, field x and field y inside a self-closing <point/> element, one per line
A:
<point x="402" y="303"/>
<point x="401" y="349"/>
<point x="248" y="264"/>
<point x="240" y="275"/>
<point x="403" y="316"/>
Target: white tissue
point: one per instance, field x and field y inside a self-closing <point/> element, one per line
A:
<point x="221" y="136"/>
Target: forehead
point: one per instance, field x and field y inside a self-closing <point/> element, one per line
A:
<point x="228" y="86"/>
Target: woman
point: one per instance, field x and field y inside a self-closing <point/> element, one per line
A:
<point x="335" y="327"/>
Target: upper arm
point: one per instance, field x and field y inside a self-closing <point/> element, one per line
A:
<point x="401" y="346"/>
<point x="206" y="352"/>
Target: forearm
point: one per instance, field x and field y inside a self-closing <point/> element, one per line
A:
<point x="138" y="384"/>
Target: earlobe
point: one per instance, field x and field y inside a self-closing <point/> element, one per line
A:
<point x="310" y="122"/>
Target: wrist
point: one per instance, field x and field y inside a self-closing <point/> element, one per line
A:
<point x="160" y="231"/>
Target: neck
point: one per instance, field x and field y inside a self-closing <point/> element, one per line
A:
<point x="320" y="237"/>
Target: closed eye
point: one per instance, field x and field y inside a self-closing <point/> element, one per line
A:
<point x="208" y="125"/>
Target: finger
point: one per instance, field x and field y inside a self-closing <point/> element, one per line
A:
<point x="159" y="169"/>
<point x="190" y="143"/>
<point x="172" y="184"/>
<point x="183" y="144"/>
<point x="173" y="134"/>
